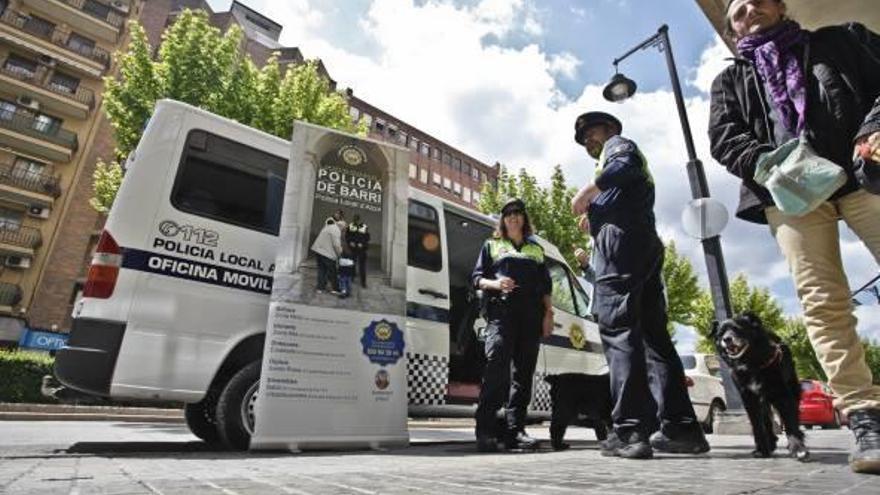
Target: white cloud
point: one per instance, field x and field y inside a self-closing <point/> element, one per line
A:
<point x="564" y="64"/>
<point x="712" y="61"/>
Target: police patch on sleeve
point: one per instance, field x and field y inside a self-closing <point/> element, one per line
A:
<point x="620" y="146"/>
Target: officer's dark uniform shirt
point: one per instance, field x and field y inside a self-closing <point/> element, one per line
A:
<point x="358" y="237"/>
<point x="525" y="266"/>
<point x="627" y="197"/>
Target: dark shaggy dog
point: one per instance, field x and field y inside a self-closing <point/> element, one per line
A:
<point x="579" y="399"/>
<point x="764" y="374"/>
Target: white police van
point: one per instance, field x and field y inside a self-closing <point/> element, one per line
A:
<point x="176" y="301"/>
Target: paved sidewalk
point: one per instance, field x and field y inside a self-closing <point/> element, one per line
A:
<point x="132" y="458"/>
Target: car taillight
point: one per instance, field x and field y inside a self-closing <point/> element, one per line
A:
<point x="104" y="268"/>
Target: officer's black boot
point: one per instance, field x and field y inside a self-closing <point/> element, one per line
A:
<point x="681" y="439"/>
<point x="519" y="440"/>
<point x="487" y="443"/>
<point x="865" y="425"/>
<point x="631" y="445"/>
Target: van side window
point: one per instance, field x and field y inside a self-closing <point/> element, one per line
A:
<point x="230" y="182"/>
<point x="424" y="237"/>
<point x="563" y="297"/>
<point x="581" y="299"/>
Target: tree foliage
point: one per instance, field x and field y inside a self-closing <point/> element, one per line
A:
<point x="682" y="287"/>
<point x="199" y="65"/>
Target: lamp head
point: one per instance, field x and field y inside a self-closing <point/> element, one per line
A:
<point x="619" y="89"/>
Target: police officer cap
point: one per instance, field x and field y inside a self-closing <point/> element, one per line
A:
<point x="589" y="119"/>
<point x="513" y="205"/>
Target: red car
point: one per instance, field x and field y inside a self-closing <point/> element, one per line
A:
<point x="817" y="405"/>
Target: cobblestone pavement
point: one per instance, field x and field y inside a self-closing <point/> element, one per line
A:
<point x="126" y="458"/>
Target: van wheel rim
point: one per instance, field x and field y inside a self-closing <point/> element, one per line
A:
<point x="248" y="406"/>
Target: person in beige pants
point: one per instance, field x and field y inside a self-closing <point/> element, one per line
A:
<point x="822" y="86"/>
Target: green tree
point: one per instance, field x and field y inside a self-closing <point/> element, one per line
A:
<point x="872" y="357"/>
<point x="129" y="98"/>
<point x="198" y="65"/>
<point x="744" y="297"/>
<point x="682" y="289"/>
<point x="794" y="334"/>
<point x="107" y="177"/>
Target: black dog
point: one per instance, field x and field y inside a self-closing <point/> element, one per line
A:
<point x="764" y="374"/>
<point x="579" y="399"/>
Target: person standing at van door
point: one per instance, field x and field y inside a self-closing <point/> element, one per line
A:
<point x="327" y="248"/>
<point x="358" y="239"/>
<point x="516" y="284"/>
<point x="618" y="211"/>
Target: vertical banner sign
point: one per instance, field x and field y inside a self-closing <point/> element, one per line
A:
<point x="334" y="363"/>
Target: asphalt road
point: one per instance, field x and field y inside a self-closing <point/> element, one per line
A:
<point x="133" y="458"/>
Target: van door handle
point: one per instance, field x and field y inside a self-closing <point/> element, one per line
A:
<point x="433" y="293"/>
<point x="557" y="325"/>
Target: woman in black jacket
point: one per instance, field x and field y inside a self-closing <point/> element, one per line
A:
<point x="824" y="86"/>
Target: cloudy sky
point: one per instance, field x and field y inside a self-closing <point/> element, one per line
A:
<point x="503" y="80"/>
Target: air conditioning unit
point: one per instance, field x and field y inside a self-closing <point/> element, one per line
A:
<point x="39" y="211"/>
<point x="17" y="262"/>
<point x="28" y="102"/>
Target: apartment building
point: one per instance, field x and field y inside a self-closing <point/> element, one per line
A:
<point x="53" y="56"/>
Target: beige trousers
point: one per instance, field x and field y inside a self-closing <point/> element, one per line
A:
<point x="811" y="246"/>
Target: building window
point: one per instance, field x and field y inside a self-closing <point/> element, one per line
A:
<point x="456" y="187"/>
<point x="447" y="183"/>
<point x="476" y="174"/>
<point x="485" y="176"/>
<point x="447" y="159"/>
<point x="476" y="197"/>
<point x="368" y="120"/>
<point x="100" y="10"/>
<point x="456" y="164"/>
<point x="63" y="82"/>
<point x="413" y="171"/>
<point x="401" y="138"/>
<point x="20" y="66"/>
<point x="425" y="149"/>
<point x="380" y="126"/>
<point x="435" y="153"/>
<point x="230" y="182"/>
<point x="10" y="219"/>
<point x="24" y="168"/>
<point x="355" y="113"/>
<point x="465" y="169"/>
<point x="413" y="143"/>
<point x="46" y="124"/>
<point x="423" y="176"/>
<point x="438" y="179"/>
<point x="80" y="44"/>
<point x="466" y="194"/>
<point x="392" y="131"/>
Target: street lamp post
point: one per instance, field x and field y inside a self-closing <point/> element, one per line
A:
<point x="621" y="88"/>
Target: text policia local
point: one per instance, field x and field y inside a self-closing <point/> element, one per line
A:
<point x="342" y="184"/>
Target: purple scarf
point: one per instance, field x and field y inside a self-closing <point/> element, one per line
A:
<point x="778" y="66"/>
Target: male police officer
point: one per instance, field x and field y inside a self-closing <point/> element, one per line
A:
<point x="618" y="209"/>
<point x="358" y="239"/>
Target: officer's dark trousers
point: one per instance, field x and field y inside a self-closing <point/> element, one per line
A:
<point x="360" y="259"/>
<point x="512" y="340"/>
<point x="631" y="310"/>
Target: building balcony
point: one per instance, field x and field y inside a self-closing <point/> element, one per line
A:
<point x="54" y="97"/>
<point x="90" y="17"/>
<point x="23" y="131"/>
<point x="29" y="188"/>
<point x="43" y="37"/>
<point x="19" y="241"/>
<point x="10" y="296"/>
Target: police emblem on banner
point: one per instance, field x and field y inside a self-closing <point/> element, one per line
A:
<point x="383" y="342"/>
<point x="577" y="337"/>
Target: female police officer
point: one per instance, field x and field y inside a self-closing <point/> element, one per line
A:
<point x="516" y="285"/>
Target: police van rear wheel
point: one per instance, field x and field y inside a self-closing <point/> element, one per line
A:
<point x="201" y="417"/>
<point x="235" y="409"/>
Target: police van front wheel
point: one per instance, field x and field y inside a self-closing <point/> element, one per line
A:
<point x="235" y="408"/>
<point x="201" y="417"/>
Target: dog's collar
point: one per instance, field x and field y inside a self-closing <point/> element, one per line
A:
<point x="773" y="358"/>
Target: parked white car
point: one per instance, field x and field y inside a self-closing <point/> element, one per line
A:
<point x="703" y="375"/>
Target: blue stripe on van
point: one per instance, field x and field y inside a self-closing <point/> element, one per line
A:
<point x="172" y="266"/>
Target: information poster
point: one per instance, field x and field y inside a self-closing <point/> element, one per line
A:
<point x="334" y="363"/>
